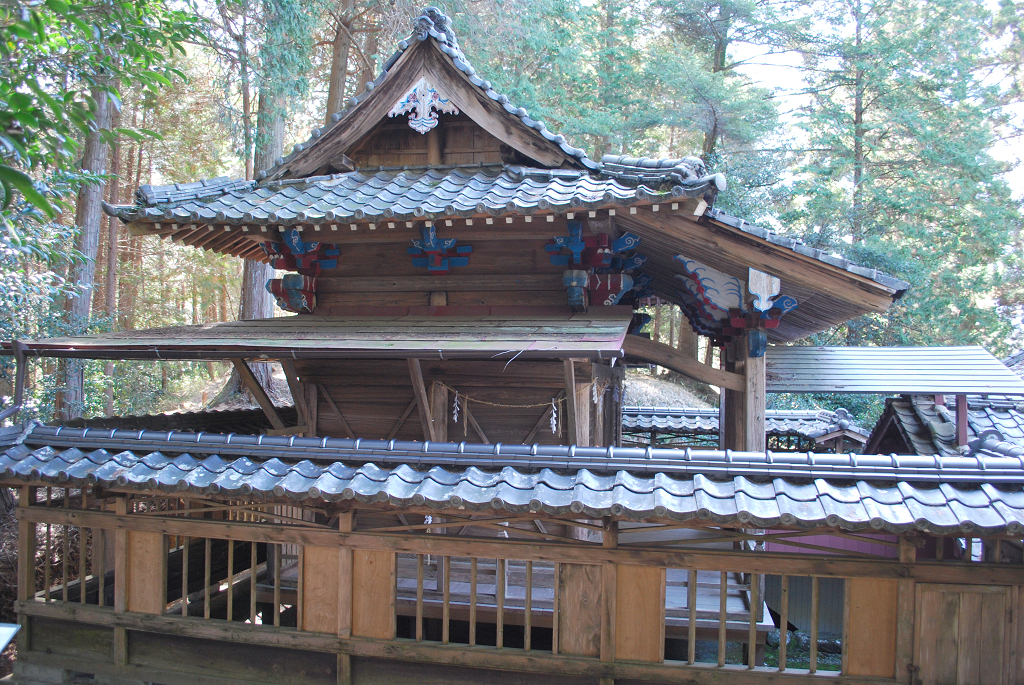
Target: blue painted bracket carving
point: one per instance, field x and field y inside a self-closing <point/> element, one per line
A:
<point x="572" y="242"/>
<point x="442" y="254"/>
<point x="627" y="241"/>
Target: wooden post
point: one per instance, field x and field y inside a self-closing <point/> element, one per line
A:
<point x="439" y="411"/>
<point x="292" y="376"/>
<point x="258" y="393"/>
<point x="121" y="579"/>
<point x="570" y="401"/>
<point x="609" y="581"/>
<point x="905" y="610"/>
<point x="419" y="389"/>
<point x="346" y="523"/>
<point x="311" y="409"/>
<point x="656" y="333"/>
<point x="961" y="420"/>
<point x="434" y="156"/>
<point x="754" y="400"/>
<point x="26" y="565"/>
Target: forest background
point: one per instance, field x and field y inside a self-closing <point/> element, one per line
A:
<point x="892" y="143"/>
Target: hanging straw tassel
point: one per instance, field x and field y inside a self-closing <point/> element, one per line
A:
<point x="554" y="416"/>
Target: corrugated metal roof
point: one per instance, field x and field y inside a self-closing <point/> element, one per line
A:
<point x="526" y="480"/>
<point x="1015" y="363"/>
<point x="889" y="370"/>
<point x="498" y="333"/>
<point x="808" y="423"/>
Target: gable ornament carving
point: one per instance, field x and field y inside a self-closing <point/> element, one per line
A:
<point x="423" y="99"/>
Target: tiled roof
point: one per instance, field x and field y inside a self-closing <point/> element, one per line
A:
<point x="764" y="490"/>
<point x="931" y="428"/>
<point x="424" y="193"/>
<point x="810" y="423"/>
<point x="1015" y="362"/>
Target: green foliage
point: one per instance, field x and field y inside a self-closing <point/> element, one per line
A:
<point x="904" y="115"/>
<point x="56" y="57"/>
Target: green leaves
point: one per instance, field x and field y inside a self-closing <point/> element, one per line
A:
<point x="11" y="178"/>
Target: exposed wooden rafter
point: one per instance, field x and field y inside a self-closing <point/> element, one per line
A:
<point x="258" y="393"/>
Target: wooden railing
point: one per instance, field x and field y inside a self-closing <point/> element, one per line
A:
<point x="596" y="606"/>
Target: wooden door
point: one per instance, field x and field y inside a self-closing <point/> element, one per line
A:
<point x="962" y="635"/>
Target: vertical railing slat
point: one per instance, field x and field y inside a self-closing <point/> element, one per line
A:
<point x="49" y="551"/>
<point x="783" y="622"/>
<point x="419" y="597"/>
<point x="499" y="601"/>
<point x="83" y="549"/>
<point x="184" y="576"/>
<point x="65" y="549"/>
<point x="815" y="597"/>
<point x="446" y="597"/>
<point x="472" y="601"/>
<point x="231" y="579"/>
<point x="555" y="610"/>
<point x="723" y="602"/>
<point x="277" y="584"/>
<point x="528" y="607"/>
<point x="206" y="577"/>
<point x="755" y="598"/>
<point x="252" y="582"/>
<point x="691" y="610"/>
<point x="99" y="540"/>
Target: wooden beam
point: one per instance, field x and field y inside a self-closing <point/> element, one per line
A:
<point x="257" y="391"/>
<point x="337" y="412"/>
<point x="439" y="411"/>
<point x="288" y="430"/>
<point x="795" y="564"/>
<point x="419" y="390"/>
<point x="664" y="355"/>
<point x="453" y="655"/>
<point x="543" y="417"/>
<point x="401" y="421"/>
<point x="570" y="401"/>
<point x="475" y="425"/>
<point x="292" y="376"/>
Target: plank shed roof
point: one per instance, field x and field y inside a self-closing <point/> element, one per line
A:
<point x="463" y="333"/>
<point x="889" y="370"/>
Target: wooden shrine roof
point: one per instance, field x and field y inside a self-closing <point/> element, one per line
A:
<point x="980" y="492"/>
<point x="456" y="333"/>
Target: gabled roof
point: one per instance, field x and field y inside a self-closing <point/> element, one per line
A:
<point x="810" y="423"/>
<point x="431" y="51"/>
<point x="923" y="427"/>
<point x="1015" y="363"/>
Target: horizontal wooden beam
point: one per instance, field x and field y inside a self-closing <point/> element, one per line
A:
<point x="453" y="655"/>
<point x="452" y="283"/>
<point x="671" y="358"/>
<point x="704" y="560"/>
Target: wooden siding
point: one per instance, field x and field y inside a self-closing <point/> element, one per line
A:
<point x="640" y="613"/>
<point x="147" y="572"/>
<point x="321" y="589"/>
<point x="373" y="594"/>
<point x="870" y="648"/>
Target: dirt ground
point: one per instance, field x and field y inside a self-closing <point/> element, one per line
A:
<point x="644" y="389"/>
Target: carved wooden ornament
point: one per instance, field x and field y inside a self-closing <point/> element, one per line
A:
<point x="763" y="287"/>
<point x="426" y="102"/>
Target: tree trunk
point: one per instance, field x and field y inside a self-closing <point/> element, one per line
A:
<point x="256" y="302"/>
<point x="857" y="223"/>
<point x="88" y="217"/>
<point x="339" y="61"/>
<point x="369" y="50"/>
<point x="111" y="284"/>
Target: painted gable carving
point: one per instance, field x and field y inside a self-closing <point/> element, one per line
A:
<point x="426" y="102"/>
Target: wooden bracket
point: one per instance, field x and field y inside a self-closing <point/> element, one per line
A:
<point x="402" y="419"/>
<point x="337" y="412"/>
<point x="419" y="389"/>
<point x="664" y="355"/>
<point x="475" y="425"/>
<point x="257" y="391"/>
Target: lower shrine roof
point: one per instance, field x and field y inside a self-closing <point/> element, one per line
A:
<point x="458" y="332"/>
<point x="980" y="492"/>
<point x="812" y="423"/>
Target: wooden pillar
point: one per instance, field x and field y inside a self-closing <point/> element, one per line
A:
<point x="439" y="411"/>
<point x="312" y="408"/>
<point x="742" y="422"/>
<point x="434" y="145"/>
<point x="905" y="612"/>
<point x="121" y="582"/>
<point x="419" y="390"/>
<point x="961" y="420"/>
<point x="570" y="402"/>
<point x="26" y="565"/>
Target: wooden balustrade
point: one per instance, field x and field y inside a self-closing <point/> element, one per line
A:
<point x="253" y="566"/>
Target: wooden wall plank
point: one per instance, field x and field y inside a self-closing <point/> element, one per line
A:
<point x="580" y="599"/>
<point x="870" y="647"/>
<point x="320" y="589"/>
<point x="146" y="589"/>
<point x="994" y="624"/>
<point x="640" y="613"/>
<point x="373" y="594"/>
<point x="938" y="633"/>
